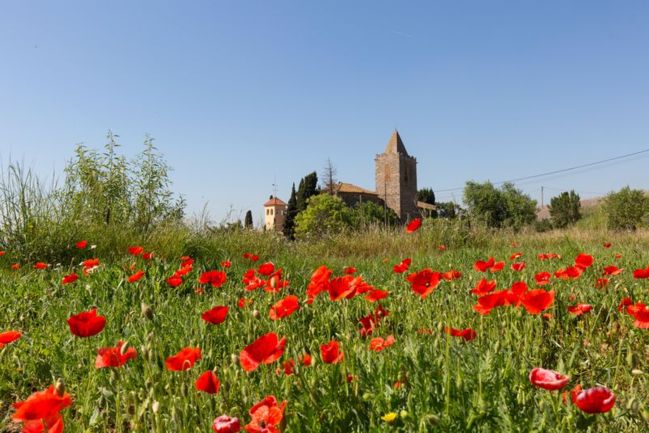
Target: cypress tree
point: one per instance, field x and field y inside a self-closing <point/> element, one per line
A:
<point x="308" y="187"/>
<point x="291" y="213"/>
<point x="248" y="223"/>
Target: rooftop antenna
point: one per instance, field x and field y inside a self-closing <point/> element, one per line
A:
<point x="275" y="187"/>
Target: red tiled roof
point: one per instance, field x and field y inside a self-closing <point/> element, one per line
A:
<point x="349" y="188"/>
<point x="274" y="202"/>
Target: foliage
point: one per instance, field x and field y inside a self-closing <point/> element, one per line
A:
<point x="497" y="208"/>
<point x="565" y="209"/>
<point x="449" y="210"/>
<point x="626" y="208"/>
<point x="367" y="213"/>
<point x="325" y="214"/>
<point x="308" y="188"/>
<point x="248" y="221"/>
<point x="427" y="195"/>
<point x="291" y="213"/>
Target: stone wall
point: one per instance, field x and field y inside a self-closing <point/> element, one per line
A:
<point x="396" y="183"/>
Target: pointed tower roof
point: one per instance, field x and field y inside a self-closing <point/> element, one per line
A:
<point x="395" y="145"/>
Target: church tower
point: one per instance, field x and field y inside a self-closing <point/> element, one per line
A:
<point x="396" y="179"/>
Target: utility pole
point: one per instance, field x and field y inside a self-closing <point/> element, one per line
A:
<point x="542" y="197"/>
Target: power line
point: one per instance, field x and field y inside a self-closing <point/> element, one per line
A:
<point x="556" y="171"/>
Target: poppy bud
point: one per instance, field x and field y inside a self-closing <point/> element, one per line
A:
<point x="145" y="353"/>
<point x="147" y="312"/>
<point x="633" y="405"/>
<point x="149" y="337"/>
<point x="273" y="282"/>
<point x="155" y="406"/>
<point x="123" y="349"/>
<point x="637" y="372"/>
<point x="497" y="346"/>
<point x="629" y="358"/>
<point x="255" y="314"/>
<point x="234" y="358"/>
<point x="59" y="388"/>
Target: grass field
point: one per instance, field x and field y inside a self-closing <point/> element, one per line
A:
<point x="426" y="380"/>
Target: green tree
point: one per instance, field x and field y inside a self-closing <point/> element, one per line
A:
<point x="248" y="220"/>
<point x="368" y="213"/>
<point x="325" y="214"/>
<point x="496" y="208"/>
<point x="565" y="209"/>
<point x="625" y="209"/>
<point x="427" y="195"/>
<point x="308" y="188"/>
<point x="448" y="210"/>
<point x="291" y="213"/>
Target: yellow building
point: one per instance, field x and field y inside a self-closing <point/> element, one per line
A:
<point x="275" y="214"/>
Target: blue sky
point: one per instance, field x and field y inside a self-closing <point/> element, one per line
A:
<point x="240" y="93"/>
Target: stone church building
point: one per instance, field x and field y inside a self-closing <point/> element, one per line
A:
<point x="395" y="187"/>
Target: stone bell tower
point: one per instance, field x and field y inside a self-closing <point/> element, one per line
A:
<point x="396" y="179"/>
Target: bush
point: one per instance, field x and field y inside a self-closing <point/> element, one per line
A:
<point x="499" y="208"/>
<point x="565" y="209"/>
<point x="324" y="214"/>
<point x="626" y="209"/>
<point x="368" y="214"/>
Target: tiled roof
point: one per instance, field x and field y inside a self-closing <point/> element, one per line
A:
<point x="349" y="188"/>
<point x="274" y="202"/>
<point x="395" y="145"/>
<point x="427" y="206"/>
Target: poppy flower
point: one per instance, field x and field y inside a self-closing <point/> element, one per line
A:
<point x="266" y="269"/>
<point x="368" y="322"/>
<point x="573" y="272"/>
<point x="483" y="287"/>
<point x="82" y="244"/>
<point x="641" y="273"/>
<point x="15" y="266"/>
<point x="183" y="360"/>
<point x="413" y="225"/>
<point x="618" y="256"/>
<point x="607" y="245"/>
<point x="226" y="424"/>
<point x="245" y="302"/>
<point x="482" y="266"/>
<point x="319" y="282"/>
<point x="246" y="255"/>
<point x="625" y="303"/>
<point x="9" y="337"/>
<point x="424" y="282"/>
<point x="147" y="256"/>
<point x="468" y="334"/>
<point x="254" y="258"/>
<point x="497" y="267"/>
<point x="573" y="394"/>
<point x="266" y="349"/>
<point x="595" y="400"/>
<point x="68" y="279"/>
<point x="376" y="295"/>
<point x="401" y="268"/>
<point x="515" y="256"/>
<point x="378" y="344"/>
<point x="175" y="280"/>
<point x="584" y="261"/>
<point x="284" y="308"/>
<point x="216" y="315"/>
<point x="548" y="379"/>
<point x="441" y="248"/>
<point x="113" y="356"/>
<point x="42" y="405"/>
<point x="215" y="278"/>
<point x="612" y="270"/>
<point x="331" y="353"/>
<point x="602" y="282"/>
<point x="208" y="382"/>
<point x="136" y="276"/>
<point x="548" y="256"/>
<point x="535" y="301"/>
<point x="641" y="314"/>
<point x="349" y="270"/>
<point x="186" y="261"/>
<point x="579" y="309"/>
<point x="184" y="270"/>
<point x="41" y="265"/>
<point x="135" y="251"/>
<point x="226" y="264"/>
<point x="488" y="302"/>
<point x="86" y="324"/>
<point x="518" y="266"/>
<point x="266" y="416"/>
<point x="452" y="275"/>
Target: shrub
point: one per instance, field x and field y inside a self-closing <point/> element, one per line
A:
<point x="626" y="209"/>
<point x="565" y="209"/>
<point x="324" y="214"/>
<point x="499" y="208"/>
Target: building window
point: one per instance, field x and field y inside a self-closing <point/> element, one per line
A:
<point x="267" y="211"/>
<point x="271" y="211"/>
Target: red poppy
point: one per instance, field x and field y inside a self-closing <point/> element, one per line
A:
<point x="245" y="302"/>
<point x="349" y="270"/>
<point x="246" y="255"/>
<point x="136" y="276"/>
<point x="331" y="353"/>
<point x="319" y="282"/>
<point x="497" y="267"/>
<point x="368" y="322"/>
<point x="618" y="256"/>
<point x="42" y="405"/>
<point x="113" y="356"/>
<point x="515" y="256"/>
<point x="183" y="360"/>
<point x="284" y="308"/>
<point x="625" y="303"/>
<point x="266" y="349"/>
<point x="612" y="270"/>
<point x="376" y="295"/>
<point x="226" y="424"/>
<point x="86" y="324"/>
<point x="584" y="261"/>
<point x="135" y="251"/>
<point x="378" y="344"/>
<point x="15" y="266"/>
<point x="215" y="278"/>
<point x="41" y="265"/>
<point x="184" y="270"/>
<point x="595" y="400"/>
<point x="266" y="269"/>
<point x="468" y="334"/>
<point x="641" y="314"/>
<point x="535" y="301"/>
<point x="441" y="247"/>
<point x="452" y="275"/>
<point x="573" y="272"/>
<point x="641" y="273"/>
<point x="400" y="268"/>
<point x="254" y="258"/>
<point x="147" y="256"/>
<point x="483" y="287"/>
<point x="175" y="280"/>
<point x="413" y="225"/>
<point x="548" y="256"/>
<point x="186" y="261"/>
<point x="548" y="379"/>
<point x="488" y="302"/>
<point x="579" y="309"/>
<point x="424" y="282"/>
<point x="607" y="245"/>
<point x="340" y="288"/>
<point x="9" y="337"/>
<point x="573" y="394"/>
<point x="208" y="382"/>
<point x="68" y="279"/>
<point x="82" y="244"/>
<point x="226" y="264"/>
<point x="482" y="266"/>
<point x="518" y="266"/>
<point x="602" y="282"/>
<point x="216" y="315"/>
<point x="266" y="416"/>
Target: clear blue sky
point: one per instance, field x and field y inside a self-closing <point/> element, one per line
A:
<point x="237" y="93"/>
